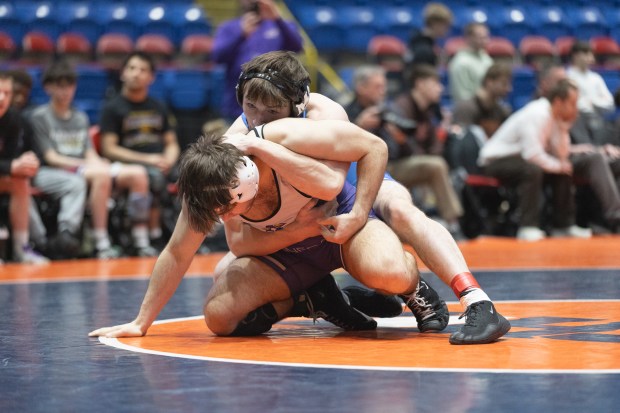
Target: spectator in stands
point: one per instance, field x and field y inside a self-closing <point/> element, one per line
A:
<point x="258" y="30"/>
<point x="547" y="77"/>
<point x="595" y="99"/>
<point x="368" y="109"/>
<point x="16" y="170"/>
<point x="468" y="66"/>
<point x="423" y="47"/>
<point x="415" y="155"/>
<point x="496" y="85"/>
<point x="532" y="148"/>
<point x="61" y="134"/>
<point x="597" y="163"/>
<point x="138" y="129"/>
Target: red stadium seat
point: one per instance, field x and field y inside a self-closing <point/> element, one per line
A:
<point x="37" y="48"/>
<point x="501" y="49"/>
<point x="606" y="51"/>
<point x="536" y="51"/>
<point x="112" y="48"/>
<point x="563" y="45"/>
<point x="388" y="51"/>
<point x="453" y="45"/>
<point x="7" y="46"/>
<point x="159" y="46"/>
<point x="74" y="46"/>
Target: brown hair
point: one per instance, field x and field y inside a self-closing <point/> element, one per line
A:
<point x="422" y="71"/>
<point x="207" y="171"/>
<point x="497" y="71"/>
<point x="561" y="90"/>
<point x="276" y="78"/>
<point x="437" y="13"/>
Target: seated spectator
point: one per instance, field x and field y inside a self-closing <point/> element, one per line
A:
<point x="496" y="85"/>
<point x="415" y="155"/>
<point x="61" y="134"/>
<point x="595" y="99"/>
<point x="532" y="148"/>
<point x="468" y="66"/>
<point x="138" y="129"/>
<point x="16" y="171"/>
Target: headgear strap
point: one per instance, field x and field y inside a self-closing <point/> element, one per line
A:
<point x="297" y="92"/>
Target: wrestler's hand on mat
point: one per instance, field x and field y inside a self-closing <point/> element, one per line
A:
<point x="340" y="228"/>
<point x="124" y="330"/>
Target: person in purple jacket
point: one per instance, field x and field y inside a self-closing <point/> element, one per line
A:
<point x="259" y="29"/>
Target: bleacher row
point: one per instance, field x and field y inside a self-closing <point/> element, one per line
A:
<point x="350" y="24"/>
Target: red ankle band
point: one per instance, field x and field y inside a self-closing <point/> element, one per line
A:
<point x="462" y="282"/>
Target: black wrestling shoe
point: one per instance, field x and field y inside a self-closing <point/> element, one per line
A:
<point x="325" y="300"/>
<point x="483" y="324"/>
<point x="372" y="303"/>
<point x="430" y="311"/>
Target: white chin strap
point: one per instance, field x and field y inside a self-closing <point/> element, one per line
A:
<point x="246" y="186"/>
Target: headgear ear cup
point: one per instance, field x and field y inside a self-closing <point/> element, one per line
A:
<point x="246" y="186"/>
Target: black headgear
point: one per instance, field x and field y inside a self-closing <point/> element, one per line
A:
<point x="297" y="92"/>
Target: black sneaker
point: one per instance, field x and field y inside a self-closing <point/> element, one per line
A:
<point x="430" y="311"/>
<point x="483" y="324"/>
<point x="325" y="300"/>
<point x="372" y="303"/>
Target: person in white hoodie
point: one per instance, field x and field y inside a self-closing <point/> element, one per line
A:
<point x="531" y="149"/>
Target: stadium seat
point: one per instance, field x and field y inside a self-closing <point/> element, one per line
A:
<point x="563" y="45"/>
<point x="398" y="21"/>
<point x="587" y="22"/>
<point x="7" y="47"/>
<point x="359" y="27"/>
<point x="388" y="51"/>
<point x="80" y="18"/>
<point x="9" y="22"/>
<point x="500" y="48"/>
<point x="159" y="46"/>
<point x="154" y="19"/>
<point x="189" y="19"/>
<point x="75" y="47"/>
<point x="92" y="83"/>
<point x="466" y="14"/>
<point x="511" y="22"/>
<point x="523" y="86"/>
<point x="551" y="22"/>
<point x="606" y="51"/>
<point x="41" y="17"/>
<point x="536" y="51"/>
<point x="322" y="26"/>
<point x="195" y="49"/>
<point x="112" y="48"/>
<point x="37" y="48"/>
<point x="116" y="18"/>
<point x="191" y="90"/>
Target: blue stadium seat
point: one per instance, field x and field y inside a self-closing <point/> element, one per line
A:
<point x="359" y="26"/>
<point x="189" y="19"/>
<point x="92" y="83"/>
<point x="164" y="81"/>
<point x="551" y="22"/>
<point x="40" y="16"/>
<point x="322" y="25"/>
<point x="79" y="17"/>
<point x="116" y="18"/>
<point x="523" y="86"/>
<point x="398" y="21"/>
<point x="463" y="15"/>
<point x="587" y="22"/>
<point x="154" y="19"/>
<point x="511" y="22"/>
<point x="10" y="23"/>
<point x="191" y="90"/>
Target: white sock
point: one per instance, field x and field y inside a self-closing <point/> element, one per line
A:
<point x="140" y="234"/>
<point x="102" y="240"/>
<point x="20" y="239"/>
<point x="473" y="295"/>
